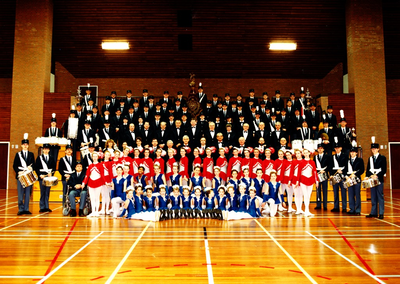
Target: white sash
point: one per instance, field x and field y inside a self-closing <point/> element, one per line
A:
<point x="349" y="168"/>
<point x="44" y="165"/>
<point x="106" y="135"/>
<point x="23" y="163"/>
<point x="372" y="166"/>
<point x="69" y="169"/>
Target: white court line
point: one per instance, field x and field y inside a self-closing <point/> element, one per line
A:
<point x="287" y="254"/>
<point x="8" y="198"/>
<point x="5" y="228"/>
<point x="208" y="260"/>
<point x="388" y="276"/>
<point x="19" y="277"/>
<point x="8" y="204"/>
<point x="9" y="208"/>
<point x="389" y="223"/>
<point x="352" y="262"/>
<point x="67" y="260"/>
<point x="112" y="276"/>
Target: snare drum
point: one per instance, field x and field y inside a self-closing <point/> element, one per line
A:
<point x="50" y="181"/>
<point x="368" y="183"/>
<point x="296" y="144"/>
<point x="27" y="178"/>
<point x="335" y="179"/>
<point x="309" y="145"/>
<point x="84" y="151"/>
<point x="62" y="141"/>
<point x="53" y="140"/>
<point x="322" y="176"/>
<point x="351" y="181"/>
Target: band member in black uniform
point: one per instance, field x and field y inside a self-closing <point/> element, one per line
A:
<point x="53" y="131"/>
<point x="355" y="169"/>
<point x="85" y="134"/>
<point x="313" y="119"/>
<point x="331" y="118"/>
<point x="76" y="189"/>
<point x="345" y="136"/>
<point x="66" y="167"/>
<point x="327" y="135"/>
<point x="23" y="160"/>
<point x="376" y="169"/>
<point x="45" y="167"/>
<point x="339" y="167"/>
<point x="202" y="97"/>
<point x="323" y="165"/>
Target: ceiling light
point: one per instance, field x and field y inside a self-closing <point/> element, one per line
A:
<point x="282" y="46"/>
<point x="115" y="45"/>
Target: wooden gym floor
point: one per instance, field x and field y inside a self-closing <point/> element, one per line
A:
<point x="326" y="248"/>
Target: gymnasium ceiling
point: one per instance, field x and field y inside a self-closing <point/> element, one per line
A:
<point x="230" y="38"/>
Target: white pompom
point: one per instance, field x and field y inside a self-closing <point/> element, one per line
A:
<point x="91" y="139"/>
<point x="373" y="139"/>
<point x="106" y="117"/>
<point x="25" y="136"/>
<point x="319" y="140"/>
<point x="73" y="107"/>
<point x="53" y="115"/>
<point x="324" y="116"/>
<point x="336" y="139"/>
<point x="341" y="113"/>
<point x="302" y="88"/>
<point x="88" y="85"/>
<point x="354" y="143"/>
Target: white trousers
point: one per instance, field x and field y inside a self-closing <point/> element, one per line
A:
<point x="116" y="206"/>
<point x="105" y="197"/>
<point x="94" y="193"/>
<point x="298" y="199"/>
<point x="307" y="190"/>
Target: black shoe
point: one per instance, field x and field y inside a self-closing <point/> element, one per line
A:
<point x="351" y="212"/>
<point x="325" y="209"/>
<point x="335" y="210"/>
<point x="27" y="212"/>
<point x="318" y="207"/>
<point x="81" y="213"/>
<point x="72" y="213"/>
<point x="380" y="217"/>
<point x="357" y="213"/>
<point x="42" y="210"/>
<point x="48" y="210"/>
<point x="371" y="216"/>
<point x="20" y="213"/>
<point x="344" y="210"/>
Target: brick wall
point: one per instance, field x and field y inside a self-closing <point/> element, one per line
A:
<point x="393" y="86"/>
<point x="332" y="83"/>
<point x="5" y="85"/>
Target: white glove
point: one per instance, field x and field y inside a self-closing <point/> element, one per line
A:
<point x="169" y="206"/>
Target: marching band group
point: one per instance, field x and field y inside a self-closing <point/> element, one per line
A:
<point x="152" y="161"/>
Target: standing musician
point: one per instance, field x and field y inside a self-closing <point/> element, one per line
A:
<point x="53" y="131"/>
<point x="339" y="165"/>
<point x="66" y="167"/>
<point x="23" y="161"/>
<point x="355" y="169"/>
<point x="376" y="169"/>
<point x="71" y="128"/>
<point x="322" y="162"/>
<point x="45" y="167"/>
